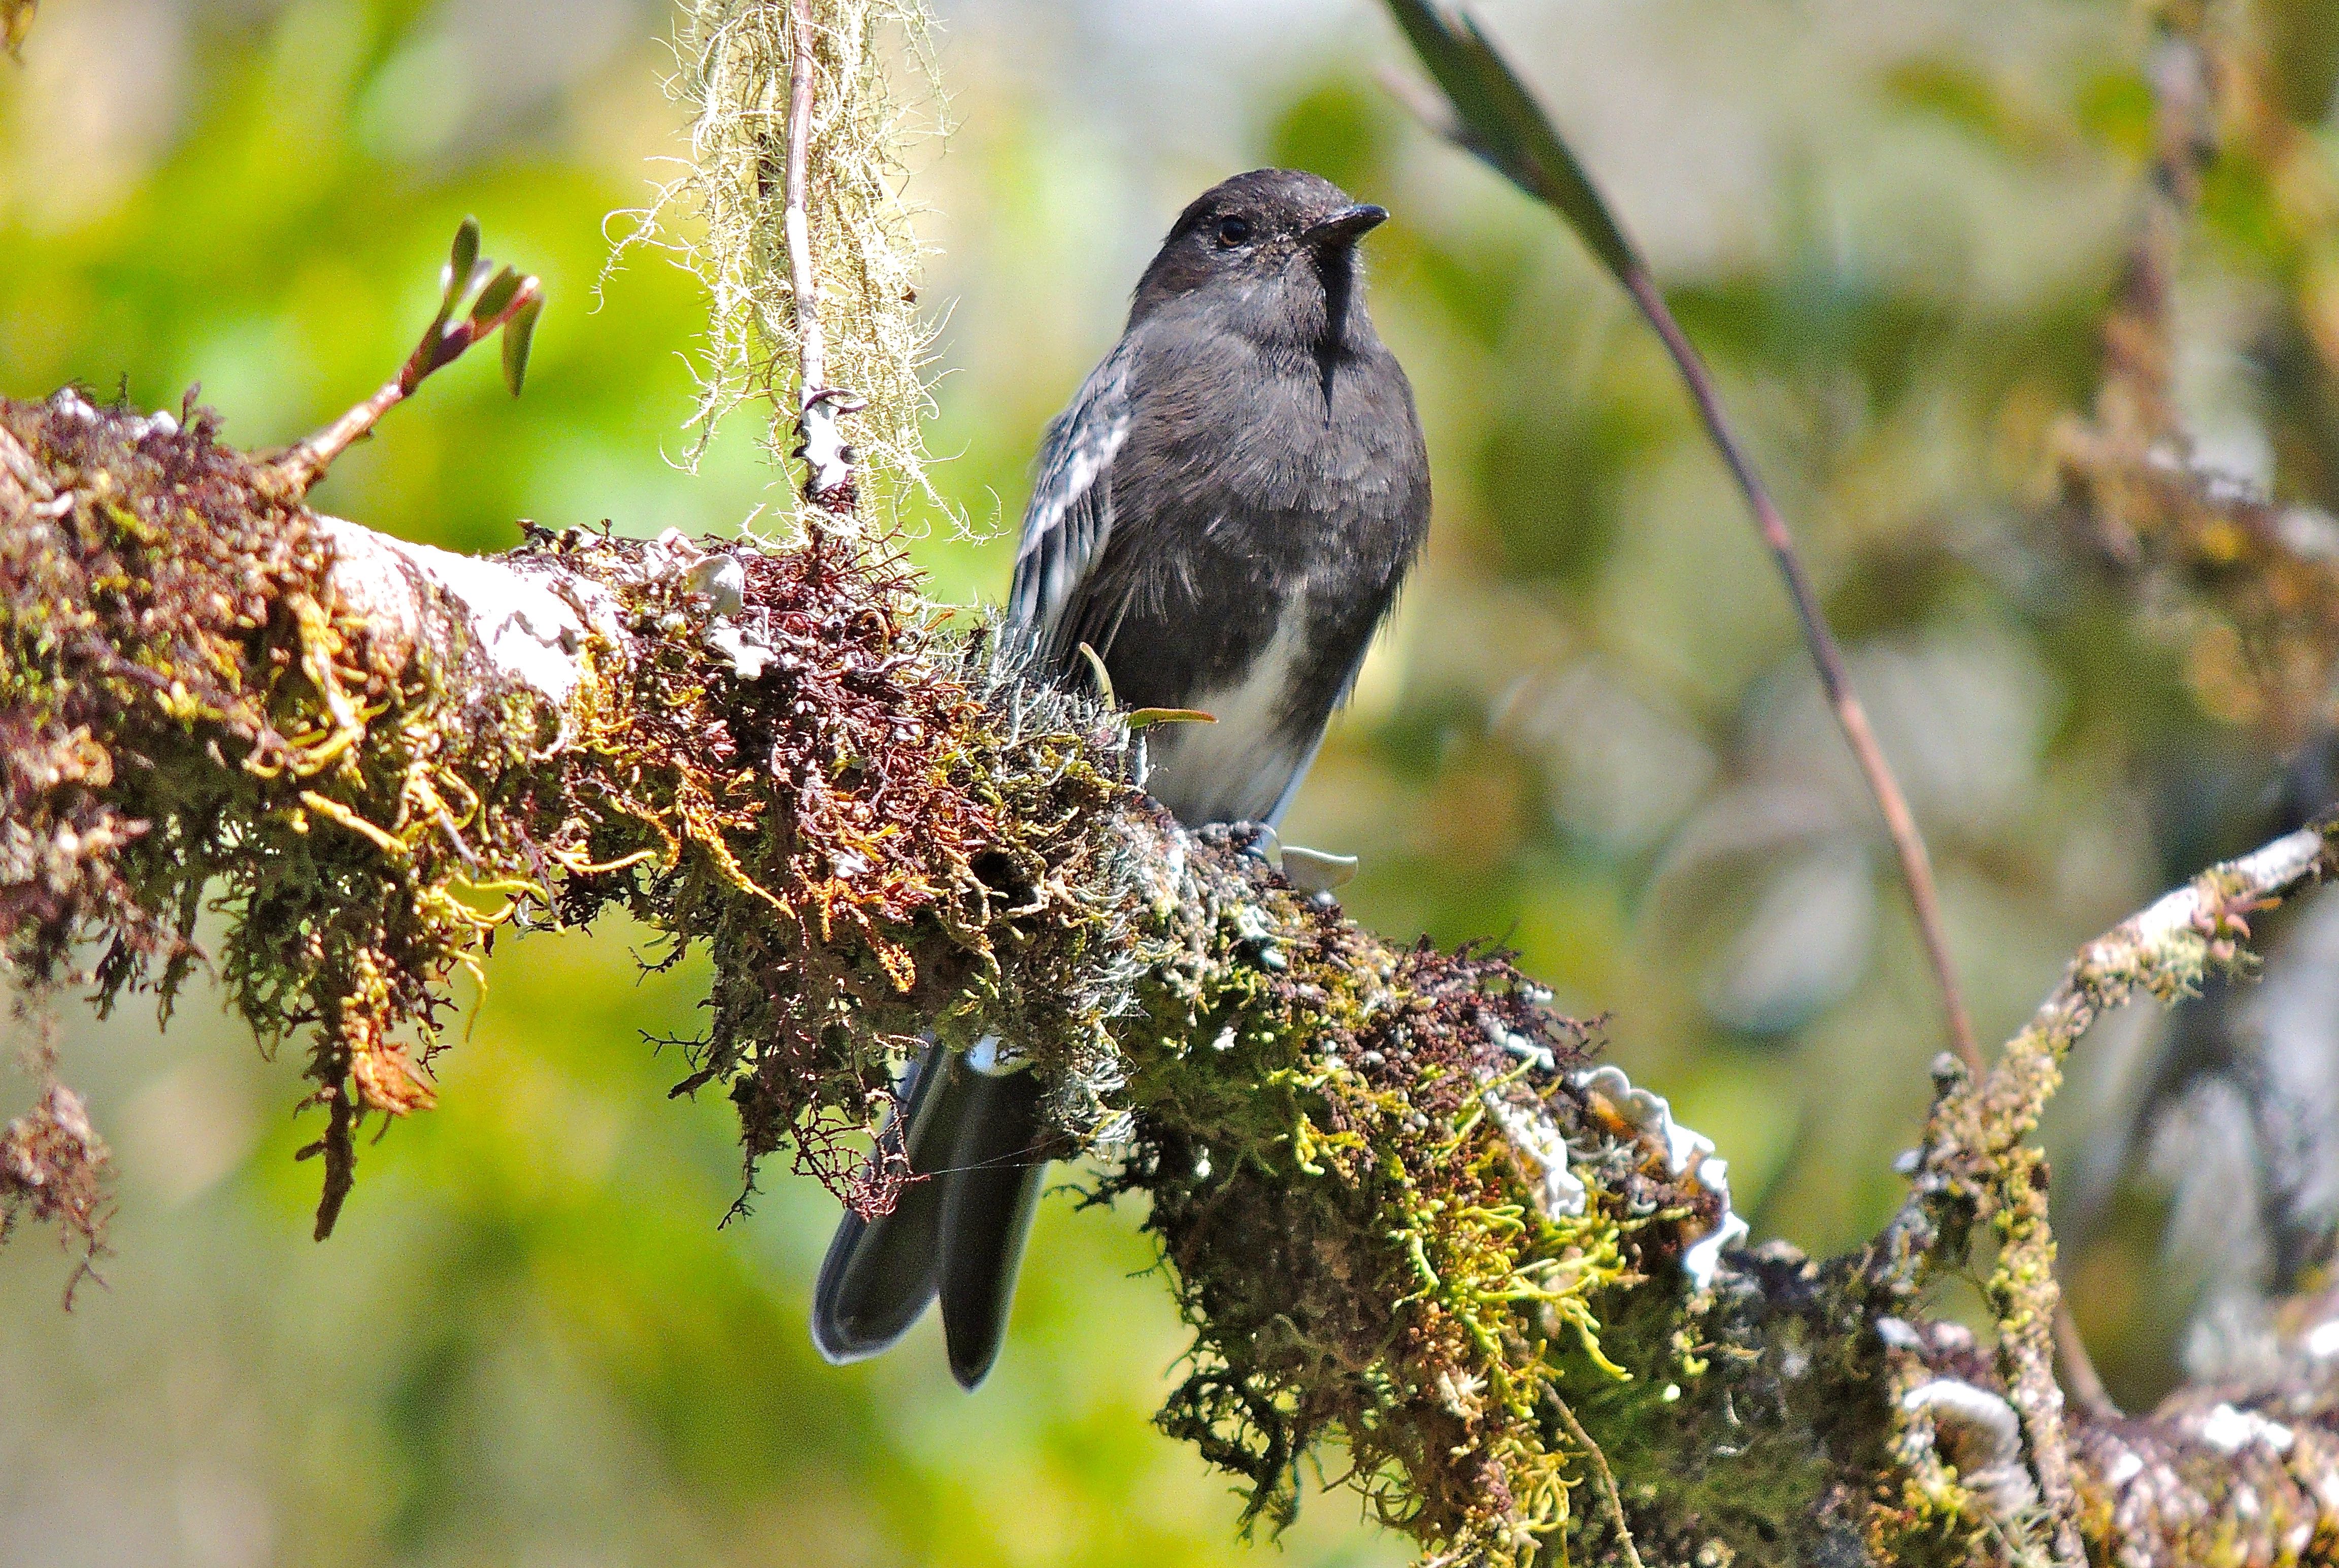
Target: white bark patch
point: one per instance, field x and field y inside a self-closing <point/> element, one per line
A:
<point x="2230" y="1430"/>
<point x="2275" y="865"/>
<point x="530" y="623"/>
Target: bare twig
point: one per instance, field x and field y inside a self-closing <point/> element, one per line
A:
<point x="2137" y="425"/>
<point x="2136" y="401"/>
<point x="21" y="479"/>
<point x="505" y="301"/>
<point x="1491" y="114"/>
<point x="16" y="22"/>
<point x="2085" y="1384"/>
<point x="828" y="461"/>
<point x="2254" y="575"/>
<point x="302" y="465"/>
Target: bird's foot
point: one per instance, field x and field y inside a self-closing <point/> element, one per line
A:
<point x="1256" y="839"/>
<point x="1313" y="872"/>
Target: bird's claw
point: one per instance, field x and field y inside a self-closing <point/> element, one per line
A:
<point x="1256" y="839"/>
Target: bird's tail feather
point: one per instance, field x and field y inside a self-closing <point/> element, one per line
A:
<point x="975" y="1139"/>
<point x="992" y="1196"/>
<point x="880" y="1272"/>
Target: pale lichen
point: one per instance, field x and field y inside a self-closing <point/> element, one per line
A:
<point x="722" y="217"/>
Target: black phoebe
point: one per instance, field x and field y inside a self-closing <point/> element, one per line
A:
<point x="1222" y="517"/>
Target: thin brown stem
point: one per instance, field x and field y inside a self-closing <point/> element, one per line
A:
<point x="1496" y="117"/>
<point x="2080" y="1379"/>
<point x="306" y="463"/>
<point x="1827" y="657"/>
<point x="15" y="24"/>
<point x="1608" y="1492"/>
<point x="508" y="304"/>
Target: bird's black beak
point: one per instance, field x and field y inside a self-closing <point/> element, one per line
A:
<point x="1345" y="227"/>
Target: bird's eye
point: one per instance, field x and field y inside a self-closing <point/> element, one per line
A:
<point x="1233" y="232"/>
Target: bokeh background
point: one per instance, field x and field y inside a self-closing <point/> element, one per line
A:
<point x="1893" y="224"/>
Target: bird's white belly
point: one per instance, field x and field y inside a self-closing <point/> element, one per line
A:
<point x="1240" y="768"/>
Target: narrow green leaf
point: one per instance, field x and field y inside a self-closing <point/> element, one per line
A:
<point x="517" y="333"/>
<point x="1104" y="675"/>
<point x="456" y="276"/>
<point x="1140" y="717"/>
<point x="1496" y="117"/>
<point x="495" y="296"/>
<point x="1501" y="122"/>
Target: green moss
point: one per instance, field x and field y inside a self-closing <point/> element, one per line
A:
<point x="1354" y="1239"/>
<point x="877" y="838"/>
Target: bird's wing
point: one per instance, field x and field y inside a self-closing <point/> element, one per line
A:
<point x="1071" y="514"/>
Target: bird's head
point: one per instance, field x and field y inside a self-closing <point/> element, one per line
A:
<point x="1275" y="251"/>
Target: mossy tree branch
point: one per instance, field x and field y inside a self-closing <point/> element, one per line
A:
<point x="1398" y="1207"/>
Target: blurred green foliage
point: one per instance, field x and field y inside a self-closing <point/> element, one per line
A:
<point x="1590" y="732"/>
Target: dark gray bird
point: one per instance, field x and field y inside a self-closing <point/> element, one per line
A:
<point x="1223" y="516"/>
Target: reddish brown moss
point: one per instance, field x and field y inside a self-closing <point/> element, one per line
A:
<point x="193" y="720"/>
<point x="54" y="1168"/>
<point x="851" y="834"/>
<point x="878" y="835"/>
<point x="142" y="613"/>
<point x="200" y="727"/>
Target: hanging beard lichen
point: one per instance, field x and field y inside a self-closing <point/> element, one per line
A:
<point x="724" y="219"/>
